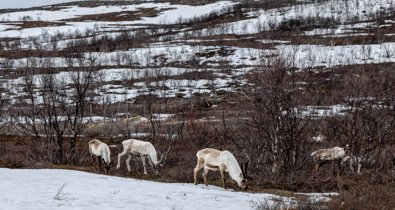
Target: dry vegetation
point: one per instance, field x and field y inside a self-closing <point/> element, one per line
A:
<point x="119" y="16"/>
<point x="231" y="131"/>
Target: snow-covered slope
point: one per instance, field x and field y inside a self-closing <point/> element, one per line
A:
<point x="38" y="189"/>
<point x="10" y="4"/>
<point x="41" y="189"/>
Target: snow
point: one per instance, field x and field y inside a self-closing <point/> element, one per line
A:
<point x="65" y="13"/>
<point x="66" y="189"/>
<point x="301" y="56"/>
<point x="171" y="15"/>
<point x="240" y="60"/>
<point x="262" y="20"/>
<point x="13" y="4"/>
<point x="338" y="10"/>
<point x="308" y="56"/>
<point x="172" y="53"/>
<point x="185" y="12"/>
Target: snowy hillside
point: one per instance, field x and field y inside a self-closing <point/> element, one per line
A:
<point x="9" y="4"/>
<point x="40" y="189"/>
<point x="175" y="49"/>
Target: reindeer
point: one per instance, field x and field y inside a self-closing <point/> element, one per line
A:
<point x="383" y="158"/>
<point x="141" y="149"/>
<point x="102" y="152"/>
<point x="224" y="161"/>
<point x="334" y="155"/>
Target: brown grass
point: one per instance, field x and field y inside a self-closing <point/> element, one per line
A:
<point x="366" y="192"/>
<point x="356" y="192"/>
<point x="39" y="24"/>
<point x="119" y="16"/>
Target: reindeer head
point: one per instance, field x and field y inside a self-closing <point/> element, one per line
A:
<point x="107" y="166"/>
<point x="161" y="161"/>
<point x="347" y="149"/>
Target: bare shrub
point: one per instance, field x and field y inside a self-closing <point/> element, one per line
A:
<point x="274" y="133"/>
<point x="369" y="122"/>
<point x="306" y="23"/>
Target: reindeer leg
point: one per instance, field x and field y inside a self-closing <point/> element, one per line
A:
<point x="313" y="172"/>
<point x="143" y="160"/>
<point x="151" y="163"/>
<point x="124" y="152"/>
<point x="223" y="177"/>
<point x="128" y="162"/>
<point x="94" y="161"/>
<point x="351" y="164"/>
<point x="316" y="169"/>
<point x="98" y="158"/>
<point x="338" y="169"/>
<point x="359" y="159"/>
<point x="333" y="169"/>
<point x="205" y="173"/>
<point x="197" y="169"/>
<point x="104" y="166"/>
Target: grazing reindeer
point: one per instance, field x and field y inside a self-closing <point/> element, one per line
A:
<point x="141" y="149"/>
<point x="102" y="152"/>
<point x="382" y="158"/>
<point x="335" y="154"/>
<point x="224" y="161"/>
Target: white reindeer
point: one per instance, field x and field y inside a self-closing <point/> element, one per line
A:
<point x="224" y="161"/>
<point x="102" y="152"/>
<point x="333" y="155"/>
<point x="141" y="149"/>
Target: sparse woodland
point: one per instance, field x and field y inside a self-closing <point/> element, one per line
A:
<point x="200" y="82"/>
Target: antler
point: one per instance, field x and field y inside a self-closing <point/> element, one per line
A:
<point x="245" y="170"/>
<point x="164" y="156"/>
<point x="242" y="170"/>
